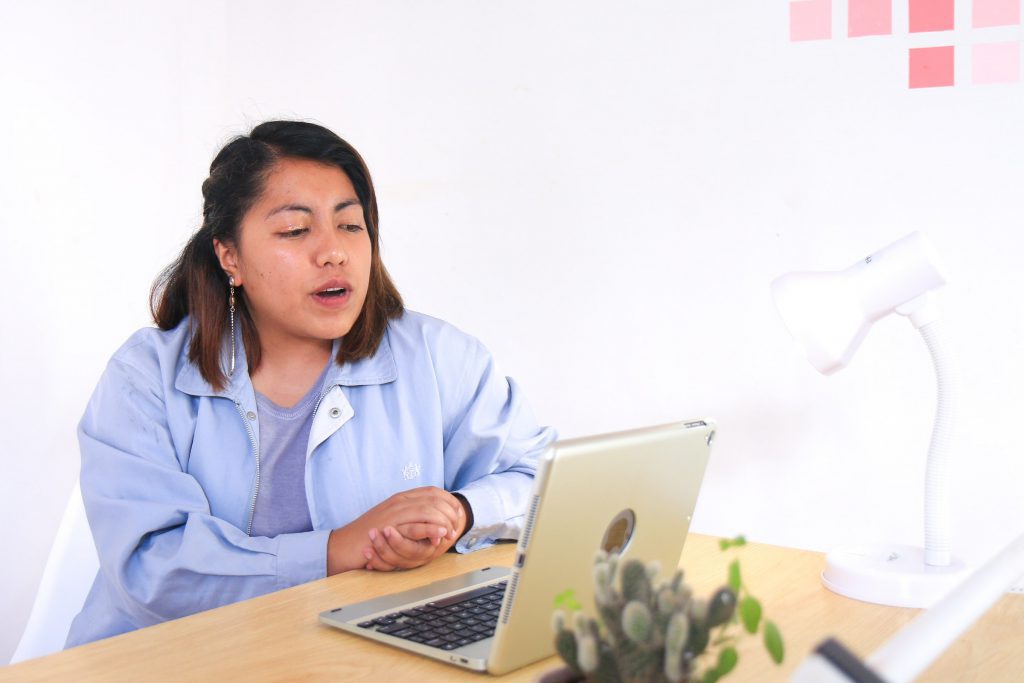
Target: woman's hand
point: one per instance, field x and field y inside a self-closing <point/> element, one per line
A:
<point x="427" y="517"/>
<point x="405" y="547"/>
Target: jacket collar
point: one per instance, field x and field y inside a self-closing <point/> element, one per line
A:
<point x="380" y="368"/>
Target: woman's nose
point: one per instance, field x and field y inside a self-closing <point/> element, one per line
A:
<point x="331" y="249"/>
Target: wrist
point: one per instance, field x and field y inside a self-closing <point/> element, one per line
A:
<point x="344" y="552"/>
<point x="467" y="516"/>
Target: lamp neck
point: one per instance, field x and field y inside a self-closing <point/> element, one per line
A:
<point x="921" y="310"/>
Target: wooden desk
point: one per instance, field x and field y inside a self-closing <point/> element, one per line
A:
<point x="277" y="637"/>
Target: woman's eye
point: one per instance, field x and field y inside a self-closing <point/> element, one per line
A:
<point x="293" y="231"/>
<point x="351" y="227"/>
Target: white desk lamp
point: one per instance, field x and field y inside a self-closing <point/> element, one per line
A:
<point x="829" y="314"/>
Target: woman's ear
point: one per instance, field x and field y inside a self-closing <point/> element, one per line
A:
<point x="227" y="254"/>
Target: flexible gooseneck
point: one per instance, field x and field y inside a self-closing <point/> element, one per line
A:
<point x="937" y="544"/>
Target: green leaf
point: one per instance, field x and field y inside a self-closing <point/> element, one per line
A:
<point x="724" y="543"/>
<point x="711" y="676"/>
<point x="773" y="641"/>
<point x="727" y="659"/>
<point x="734" y="576"/>
<point x="750" y="613"/>
<point x="739" y="541"/>
<point x="567" y="600"/>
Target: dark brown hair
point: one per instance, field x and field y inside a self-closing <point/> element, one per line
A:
<point x="194" y="285"/>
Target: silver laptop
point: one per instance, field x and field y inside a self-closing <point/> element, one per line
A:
<point x="632" y="492"/>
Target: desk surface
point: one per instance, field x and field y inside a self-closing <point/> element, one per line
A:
<point x="278" y="637"/>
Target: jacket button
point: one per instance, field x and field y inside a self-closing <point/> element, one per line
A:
<point x="251" y="415"/>
<point x="335" y="412"/>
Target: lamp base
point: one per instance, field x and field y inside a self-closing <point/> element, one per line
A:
<point x="890" y="575"/>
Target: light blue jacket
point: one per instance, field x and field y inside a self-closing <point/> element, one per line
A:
<point x="170" y="467"/>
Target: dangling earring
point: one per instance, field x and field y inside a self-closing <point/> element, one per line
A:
<point x="231" y="306"/>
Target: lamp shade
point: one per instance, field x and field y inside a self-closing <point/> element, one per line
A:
<point x="830" y="313"/>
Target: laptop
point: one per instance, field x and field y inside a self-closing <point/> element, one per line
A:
<point x="631" y="492"/>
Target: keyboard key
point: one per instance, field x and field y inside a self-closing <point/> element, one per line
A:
<point x="405" y="633"/>
<point x="391" y="628"/>
<point x="384" y="621"/>
<point x="462" y="597"/>
<point x="367" y="624"/>
<point x="464" y="633"/>
<point x="436" y="642"/>
<point x="449" y="646"/>
<point x="466" y="641"/>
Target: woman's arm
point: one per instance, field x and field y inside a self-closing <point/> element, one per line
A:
<point x="491" y="445"/>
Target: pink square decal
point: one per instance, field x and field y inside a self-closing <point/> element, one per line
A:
<point x="869" y="18"/>
<point x="931" y="67"/>
<point x="995" y="13"/>
<point x="810" y="20"/>
<point x="995" y="63"/>
<point x="931" y="15"/>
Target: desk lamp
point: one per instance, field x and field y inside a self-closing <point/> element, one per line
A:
<point x="829" y="314"/>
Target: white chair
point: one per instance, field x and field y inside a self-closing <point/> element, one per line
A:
<point x="67" y="578"/>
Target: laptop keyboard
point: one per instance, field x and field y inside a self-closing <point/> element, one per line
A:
<point x="449" y="623"/>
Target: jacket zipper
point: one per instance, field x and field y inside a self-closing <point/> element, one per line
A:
<point x="256" y="452"/>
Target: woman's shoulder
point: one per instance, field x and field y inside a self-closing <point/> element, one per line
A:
<point x="414" y="329"/>
<point x="152" y="349"/>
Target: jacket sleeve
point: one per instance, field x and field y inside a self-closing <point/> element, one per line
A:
<point x="491" y="446"/>
<point x="161" y="551"/>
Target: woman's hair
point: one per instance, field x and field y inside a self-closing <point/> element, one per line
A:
<point x="195" y="285"/>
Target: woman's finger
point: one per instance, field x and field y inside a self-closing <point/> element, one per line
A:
<point x="399" y="552"/>
<point x="418" y="531"/>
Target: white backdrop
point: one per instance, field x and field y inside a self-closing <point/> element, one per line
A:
<point x="601" y="193"/>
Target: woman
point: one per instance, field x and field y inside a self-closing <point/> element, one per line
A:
<point x="289" y="419"/>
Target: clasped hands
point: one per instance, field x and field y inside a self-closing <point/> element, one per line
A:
<point x="407" y="530"/>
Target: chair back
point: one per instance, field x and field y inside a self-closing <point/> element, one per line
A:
<point x="67" y="578"/>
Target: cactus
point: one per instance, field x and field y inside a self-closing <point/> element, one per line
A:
<point x="648" y="633"/>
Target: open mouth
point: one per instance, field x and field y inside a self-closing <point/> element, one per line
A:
<point x="332" y="292"/>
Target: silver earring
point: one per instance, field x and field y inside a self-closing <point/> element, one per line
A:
<point x="231" y="306"/>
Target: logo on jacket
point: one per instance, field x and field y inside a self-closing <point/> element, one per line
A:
<point x="411" y="471"/>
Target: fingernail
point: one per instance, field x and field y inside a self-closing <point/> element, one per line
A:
<point x="367" y="554"/>
<point x="387" y="532"/>
<point x="373" y="534"/>
<point x="443" y="531"/>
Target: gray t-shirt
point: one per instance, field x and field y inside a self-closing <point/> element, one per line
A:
<point x="281" y="506"/>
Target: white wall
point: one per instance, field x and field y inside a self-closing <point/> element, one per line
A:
<point x="601" y="194"/>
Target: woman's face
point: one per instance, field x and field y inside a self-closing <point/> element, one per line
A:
<point x="303" y="255"/>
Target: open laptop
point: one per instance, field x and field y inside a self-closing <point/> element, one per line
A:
<point x="632" y="492"/>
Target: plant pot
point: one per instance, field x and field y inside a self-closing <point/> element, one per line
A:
<point x="563" y="674"/>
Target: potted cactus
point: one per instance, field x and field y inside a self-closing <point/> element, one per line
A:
<point x="657" y="633"/>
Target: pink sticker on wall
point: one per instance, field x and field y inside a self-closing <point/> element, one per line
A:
<point x="931" y="15"/>
<point x="931" y="67"/>
<point x="995" y="13"/>
<point x="869" y="18"/>
<point x="810" y="20"/>
<point x="995" y="63"/>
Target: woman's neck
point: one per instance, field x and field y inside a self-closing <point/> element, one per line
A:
<point x="287" y="371"/>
